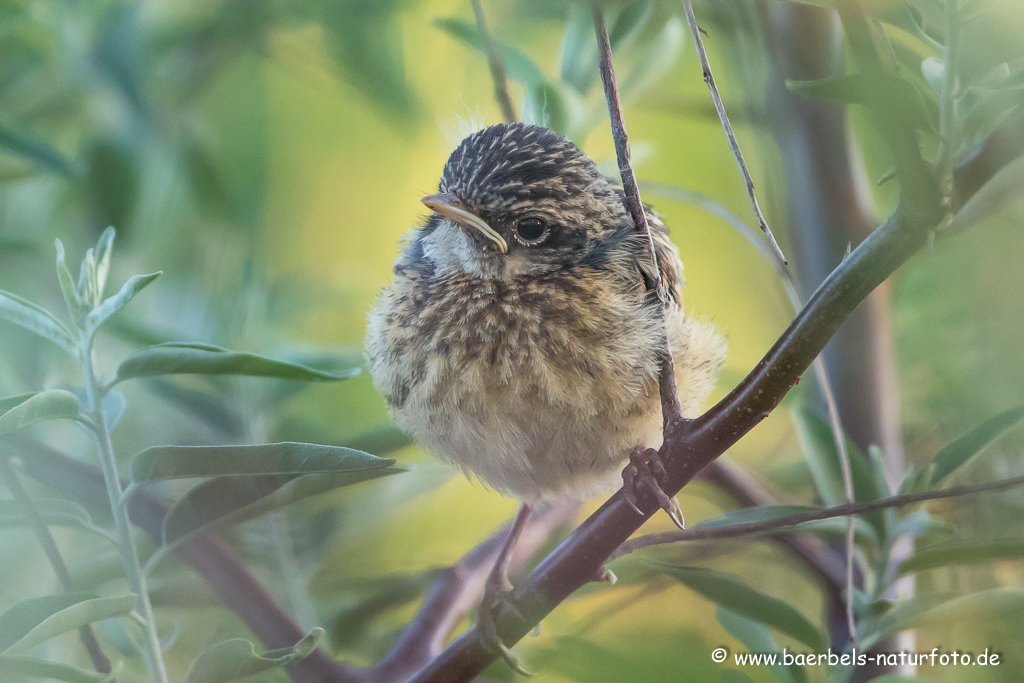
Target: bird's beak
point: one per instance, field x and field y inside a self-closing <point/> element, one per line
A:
<point x="448" y="205"/>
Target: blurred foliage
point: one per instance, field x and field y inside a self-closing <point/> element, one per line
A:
<point x="267" y="157"/>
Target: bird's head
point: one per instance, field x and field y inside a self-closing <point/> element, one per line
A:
<point x="519" y="199"/>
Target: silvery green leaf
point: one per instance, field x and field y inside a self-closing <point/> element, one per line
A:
<point x="934" y="72"/>
<point x="46" y="405"/>
<point x="37" y="319"/>
<point x="67" y="287"/>
<point x="17" y="667"/>
<point x="103" y="252"/>
<point x="118" y="301"/>
<point x="952" y="456"/>
<point x="237" y="658"/>
<point x="177" y="358"/>
<point x="36" y="620"/>
<point x="997" y="195"/>
<point x="185" y="462"/>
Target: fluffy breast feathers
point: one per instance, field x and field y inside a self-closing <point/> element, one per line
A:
<point x="539" y="385"/>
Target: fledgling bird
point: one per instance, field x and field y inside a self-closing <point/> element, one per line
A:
<point x="517" y="339"/>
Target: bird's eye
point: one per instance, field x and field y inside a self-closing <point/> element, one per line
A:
<point x="530" y="231"/>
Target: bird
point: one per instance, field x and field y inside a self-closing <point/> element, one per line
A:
<point x="518" y="338"/>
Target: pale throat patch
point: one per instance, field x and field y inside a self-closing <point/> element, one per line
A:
<point x="452" y="251"/>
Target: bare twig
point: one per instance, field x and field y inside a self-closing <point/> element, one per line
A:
<point x="724" y="118"/>
<point x="85" y="633"/>
<point x="498" y="75"/>
<point x="457" y="590"/>
<point x="782" y="523"/>
<point x="671" y="408"/>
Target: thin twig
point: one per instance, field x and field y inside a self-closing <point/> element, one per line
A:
<point x="724" y="118"/>
<point x="457" y="590"/>
<point x="498" y="75"/>
<point x="781" y="523"/>
<point x="670" y="405"/>
<point x="85" y="633"/>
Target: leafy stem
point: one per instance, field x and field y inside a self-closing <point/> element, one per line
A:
<point x="127" y="546"/>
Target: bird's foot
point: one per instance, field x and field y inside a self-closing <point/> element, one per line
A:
<point x="644" y="470"/>
<point x="497" y="590"/>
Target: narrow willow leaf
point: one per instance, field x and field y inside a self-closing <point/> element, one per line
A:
<point x="999" y="193"/>
<point x="731" y="593"/>
<point x="54" y="511"/>
<point x="958" y="452"/>
<point x="36" y="620"/>
<point x="114" y="404"/>
<point x="237" y="658"/>
<point x="13" y="401"/>
<point x="118" y="301"/>
<point x="752" y="515"/>
<point x="819" y="446"/>
<point x="104" y="249"/>
<point x="17" y="666"/>
<point x="67" y="287"/>
<point x="933" y="71"/>
<point x="905" y="615"/>
<point x="963" y="553"/>
<point x="849" y="88"/>
<point x="37" y="151"/>
<point x="46" y="405"/>
<point x="653" y="60"/>
<point x="204" y="359"/>
<point x="231" y="500"/>
<point x="520" y="68"/>
<point x="379" y="441"/>
<point x="756" y="637"/>
<point x="184" y="462"/>
<point x="37" y="320"/>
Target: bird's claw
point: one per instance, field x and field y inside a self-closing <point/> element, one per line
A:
<point x="646" y="468"/>
<point x="487" y="629"/>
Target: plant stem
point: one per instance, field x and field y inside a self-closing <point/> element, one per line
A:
<point x="948" y="131"/>
<point x="122" y="525"/>
<point x="734" y="145"/>
<point x="781" y="523"/>
<point x="498" y="75"/>
<point x="99" y="660"/>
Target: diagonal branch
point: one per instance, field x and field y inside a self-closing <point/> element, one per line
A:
<point x="782" y="523"/>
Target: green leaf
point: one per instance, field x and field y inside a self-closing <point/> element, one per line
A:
<point x="994" y="197"/>
<point x="36" y="620"/>
<point x="104" y="249"/>
<point x="46" y="405"/>
<point x="731" y="593"/>
<point x="819" y="446"/>
<point x="12" y="666"/>
<point x="849" y="88"/>
<point x="237" y="658"/>
<point x="177" y="358"/>
<point x="118" y="301"/>
<point x="36" y="151"/>
<point x="231" y="500"/>
<point x="184" y="462"/>
<point x="54" y="511"/>
<point x="519" y="67"/>
<point x="964" y="448"/>
<point x="756" y="637"/>
<point x="969" y="552"/>
<point x="72" y="298"/>
<point x="36" y="319"/>
<point x="653" y="60"/>
<point x="933" y="71"/>
<point x="753" y="515"/>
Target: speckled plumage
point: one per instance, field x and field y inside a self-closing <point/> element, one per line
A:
<point x="536" y="369"/>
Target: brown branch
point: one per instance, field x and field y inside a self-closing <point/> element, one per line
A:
<point x="781" y="523"/>
<point x="497" y="67"/>
<point x="696" y="443"/>
<point x="213" y="559"/>
<point x="457" y="590"/>
<point x="671" y="408"/>
<point x="734" y="145"/>
<point x="85" y="633"/>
